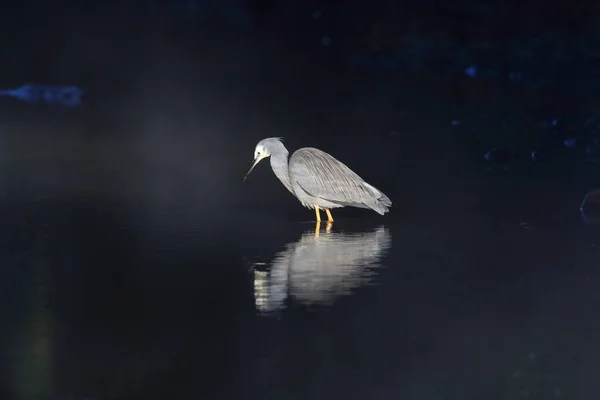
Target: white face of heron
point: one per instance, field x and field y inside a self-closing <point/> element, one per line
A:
<point x="260" y="152"/>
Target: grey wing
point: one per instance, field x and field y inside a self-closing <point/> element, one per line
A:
<point x="323" y="176"/>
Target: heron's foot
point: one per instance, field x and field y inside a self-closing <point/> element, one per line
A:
<point x="329" y="217"/>
<point x="328" y="226"/>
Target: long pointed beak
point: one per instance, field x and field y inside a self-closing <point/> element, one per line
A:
<point x="252" y="167"/>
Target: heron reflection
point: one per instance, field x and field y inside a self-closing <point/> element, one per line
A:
<point x="320" y="267"/>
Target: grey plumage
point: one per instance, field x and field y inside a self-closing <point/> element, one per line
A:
<point x="319" y="180"/>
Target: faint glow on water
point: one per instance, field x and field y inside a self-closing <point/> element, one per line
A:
<point x="318" y="269"/>
<point x="33" y="366"/>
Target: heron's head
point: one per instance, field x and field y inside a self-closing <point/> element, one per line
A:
<point x="264" y="149"/>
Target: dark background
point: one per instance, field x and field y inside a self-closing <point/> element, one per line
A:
<point x="126" y="227"/>
<point x="165" y="85"/>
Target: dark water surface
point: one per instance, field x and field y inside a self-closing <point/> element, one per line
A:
<point x="468" y="299"/>
<point x="136" y="264"/>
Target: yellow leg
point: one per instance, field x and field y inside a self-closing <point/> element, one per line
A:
<point x="328" y="227"/>
<point x="329" y="217"/>
<point x="318" y="214"/>
<point x="317" y="229"/>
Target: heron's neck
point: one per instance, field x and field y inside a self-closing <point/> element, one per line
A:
<point x="279" y="163"/>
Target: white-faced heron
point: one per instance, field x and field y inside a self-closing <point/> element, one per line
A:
<point x="318" y="180"/>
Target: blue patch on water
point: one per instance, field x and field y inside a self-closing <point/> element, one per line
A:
<point x="68" y="96"/>
<point x="534" y="155"/>
<point x="471" y="71"/>
<point x="489" y="156"/>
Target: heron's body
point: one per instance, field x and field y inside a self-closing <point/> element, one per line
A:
<point x="319" y="180"/>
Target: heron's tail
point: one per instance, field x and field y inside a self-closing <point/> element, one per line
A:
<point x="379" y="202"/>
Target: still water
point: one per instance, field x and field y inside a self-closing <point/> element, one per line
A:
<point x="480" y="303"/>
<point x="136" y="264"/>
